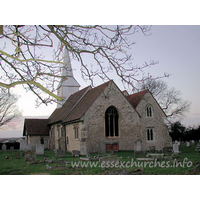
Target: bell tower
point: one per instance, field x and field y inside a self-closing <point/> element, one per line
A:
<point x="68" y="84"/>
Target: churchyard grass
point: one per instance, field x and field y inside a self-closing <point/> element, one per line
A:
<point x="14" y="166"/>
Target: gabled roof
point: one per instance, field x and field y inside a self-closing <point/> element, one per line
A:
<point x="60" y="113"/>
<point x="77" y="104"/>
<point x="135" y="98"/>
<point x="36" y="127"/>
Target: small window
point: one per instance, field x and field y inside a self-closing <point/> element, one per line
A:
<point x="149" y="111"/>
<point x="76" y="132"/>
<point x="150" y="135"/>
<point x="42" y="141"/>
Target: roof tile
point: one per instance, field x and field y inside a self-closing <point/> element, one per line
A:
<point x="135" y="98"/>
<point x="36" y="127"/>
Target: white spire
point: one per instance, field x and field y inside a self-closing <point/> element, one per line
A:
<point x="68" y="84"/>
<point x="67" y="68"/>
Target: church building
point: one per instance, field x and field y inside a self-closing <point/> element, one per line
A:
<point x="104" y="118"/>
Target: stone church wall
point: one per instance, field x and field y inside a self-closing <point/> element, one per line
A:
<point x="57" y="137"/>
<point x="73" y="144"/>
<point x="52" y="138"/>
<point x="156" y="122"/>
<point x="94" y="121"/>
<point x="37" y="140"/>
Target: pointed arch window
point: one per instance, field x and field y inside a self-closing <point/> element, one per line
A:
<point x="111" y="122"/>
<point x="149" y="111"/>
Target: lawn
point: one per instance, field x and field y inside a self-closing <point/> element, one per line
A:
<point x="188" y="162"/>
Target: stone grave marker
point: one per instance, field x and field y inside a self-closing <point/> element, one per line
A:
<point x="101" y="147"/>
<point x="187" y="144"/>
<point x="198" y="147"/>
<point x="4" y="147"/>
<point x="59" y="153"/>
<point x="175" y="148"/>
<point x="23" y="145"/>
<point x="138" y="145"/>
<point x="30" y="147"/>
<point x="30" y="156"/>
<point x="39" y="149"/>
<point x="137" y="149"/>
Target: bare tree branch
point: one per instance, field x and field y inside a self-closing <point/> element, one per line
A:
<point x="169" y="99"/>
<point x="8" y="107"/>
<point x="32" y="55"/>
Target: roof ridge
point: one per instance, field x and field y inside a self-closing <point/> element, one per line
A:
<point x="88" y="88"/>
<point x="135" y="98"/>
<point x="95" y="95"/>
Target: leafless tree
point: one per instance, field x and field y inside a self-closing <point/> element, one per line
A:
<point x="168" y="98"/>
<point x="8" y="107"/>
<point x="32" y="55"/>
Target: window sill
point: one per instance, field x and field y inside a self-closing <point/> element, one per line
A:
<point x="113" y="137"/>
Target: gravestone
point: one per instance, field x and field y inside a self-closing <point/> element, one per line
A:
<point x="22" y="145"/>
<point x="175" y="148"/>
<point x="198" y="147"/>
<point x="30" y="147"/>
<point x="102" y="147"/>
<point x="4" y="147"/>
<point x="60" y="153"/>
<point x="138" y="145"/>
<point x="30" y="156"/>
<point x="75" y="153"/>
<point x="187" y="144"/>
<point x="39" y="149"/>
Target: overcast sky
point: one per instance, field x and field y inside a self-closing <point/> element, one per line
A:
<point x="177" y="48"/>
